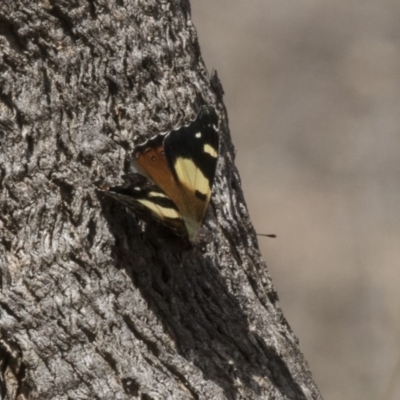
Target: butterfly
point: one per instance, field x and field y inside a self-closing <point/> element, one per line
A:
<point x="175" y="174"/>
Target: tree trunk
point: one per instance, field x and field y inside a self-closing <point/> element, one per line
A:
<point x="93" y="305"/>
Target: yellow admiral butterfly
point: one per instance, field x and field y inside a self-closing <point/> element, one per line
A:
<point x="179" y="167"/>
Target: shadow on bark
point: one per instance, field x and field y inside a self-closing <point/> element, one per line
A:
<point x="193" y="303"/>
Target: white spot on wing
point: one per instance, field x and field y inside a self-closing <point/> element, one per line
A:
<point x="198" y="135"/>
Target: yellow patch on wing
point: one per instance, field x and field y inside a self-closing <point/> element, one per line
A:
<point x="191" y="176"/>
<point x="210" y="150"/>
<point x="162" y="212"/>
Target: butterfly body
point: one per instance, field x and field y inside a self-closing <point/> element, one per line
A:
<point x="180" y="166"/>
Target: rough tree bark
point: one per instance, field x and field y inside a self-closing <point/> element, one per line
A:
<point x="92" y="305"/>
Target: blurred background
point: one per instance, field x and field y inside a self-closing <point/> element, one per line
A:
<point x="313" y="97"/>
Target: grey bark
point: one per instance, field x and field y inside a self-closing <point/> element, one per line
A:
<point x="93" y="305"/>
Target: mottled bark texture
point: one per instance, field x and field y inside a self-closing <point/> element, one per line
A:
<point x="93" y="305"/>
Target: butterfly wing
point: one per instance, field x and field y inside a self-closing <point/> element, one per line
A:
<point x="139" y="195"/>
<point x="182" y="164"/>
<point x="149" y="160"/>
<point x="191" y="152"/>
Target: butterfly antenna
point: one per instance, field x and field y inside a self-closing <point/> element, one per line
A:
<point x="266" y="235"/>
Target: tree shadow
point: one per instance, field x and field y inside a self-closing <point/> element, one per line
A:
<point x="188" y="294"/>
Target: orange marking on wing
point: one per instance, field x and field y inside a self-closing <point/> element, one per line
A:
<point x="153" y="164"/>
